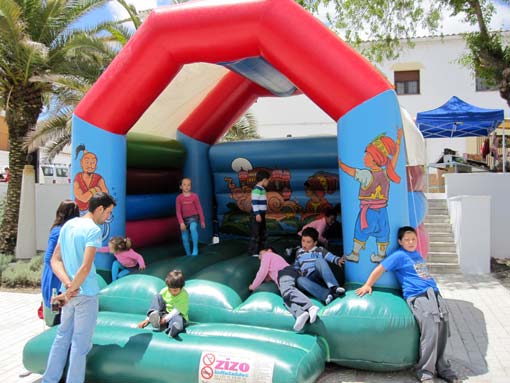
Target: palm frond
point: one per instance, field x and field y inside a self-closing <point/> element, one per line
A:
<point x="51" y="129"/>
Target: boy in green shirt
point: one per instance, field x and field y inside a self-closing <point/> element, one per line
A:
<point x="169" y="308"/>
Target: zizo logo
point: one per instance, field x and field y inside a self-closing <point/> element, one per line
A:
<point x="230" y="365"/>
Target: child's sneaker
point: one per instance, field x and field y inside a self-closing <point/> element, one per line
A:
<point x="175" y="329"/>
<point x="337" y="290"/>
<point x="301" y="321"/>
<point x="154" y="319"/>
<point x="329" y="299"/>
<point x="313" y="313"/>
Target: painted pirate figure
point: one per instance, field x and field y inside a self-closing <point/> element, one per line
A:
<point x="380" y="159"/>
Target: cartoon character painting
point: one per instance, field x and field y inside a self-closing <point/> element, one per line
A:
<point x="317" y="187"/>
<point x="88" y="182"/>
<point x="380" y="159"/>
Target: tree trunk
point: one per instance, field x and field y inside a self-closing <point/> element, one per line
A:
<point x="504" y="86"/>
<point x="23" y="109"/>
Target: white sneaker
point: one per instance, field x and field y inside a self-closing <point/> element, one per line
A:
<point x="301" y="321"/>
<point x="339" y="290"/>
<point x="313" y="313"/>
<point x="329" y="299"/>
<point x="154" y="319"/>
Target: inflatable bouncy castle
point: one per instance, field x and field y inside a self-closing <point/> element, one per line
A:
<point x="259" y="48"/>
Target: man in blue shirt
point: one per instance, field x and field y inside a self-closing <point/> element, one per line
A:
<point x="422" y="295"/>
<point x="73" y="263"/>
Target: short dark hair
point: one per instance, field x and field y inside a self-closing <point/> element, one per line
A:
<point x="184" y="178"/>
<point x="101" y="199"/>
<point x="261" y="174"/>
<point x="310" y="232"/>
<point x="403" y="230"/>
<point x="175" y="279"/>
<point x="330" y="212"/>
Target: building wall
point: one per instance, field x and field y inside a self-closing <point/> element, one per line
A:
<point x="47" y="199"/>
<point x="495" y="185"/>
<point x="441" y="77"/>
<point x="4" y="133"/>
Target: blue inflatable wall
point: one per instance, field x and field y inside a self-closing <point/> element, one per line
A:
<point x="304" y="181"/>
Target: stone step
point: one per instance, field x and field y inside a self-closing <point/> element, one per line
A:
<point x="437" y="211"/>
<point x="438" y="268"/>
<point x="441" y="238"/>
<point x="442" y="257"/>
<point x="438" y="227"/>
<point x="442" y="247"/>
<point x="437" y="203"/>
<point x="436" y="219"/>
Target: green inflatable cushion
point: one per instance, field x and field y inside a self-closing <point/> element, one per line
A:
<point x="151" y="152"/>
<point x="121" y="354"/>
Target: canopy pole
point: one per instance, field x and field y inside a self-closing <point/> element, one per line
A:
<point x="504" y="147"/>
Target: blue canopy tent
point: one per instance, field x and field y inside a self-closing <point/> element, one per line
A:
<point x="457" y="118"/>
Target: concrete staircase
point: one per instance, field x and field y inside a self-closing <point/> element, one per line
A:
<point x="442" y="257"/>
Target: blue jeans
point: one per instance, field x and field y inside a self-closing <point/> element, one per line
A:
<point x="78" y="321"/>
<point x="159" y="305"/>
<point x="314" y="282"/>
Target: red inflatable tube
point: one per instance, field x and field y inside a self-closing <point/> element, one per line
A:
<point x="150" y="232"/>
<point x="416" y="179"/>
<point x="313" y="58"/>
<point x="144" y="181"/>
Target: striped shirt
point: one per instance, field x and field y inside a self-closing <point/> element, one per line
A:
<point x="258" y="200"/>
<point x="305" y="260"/>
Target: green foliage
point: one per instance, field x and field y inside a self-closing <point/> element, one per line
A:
<point x="386" y="25"/>
<point x="4" y="263"/>
<point x="380" y="29"/>
<point x="23" y="273"/>
<point x="244" y="129"/>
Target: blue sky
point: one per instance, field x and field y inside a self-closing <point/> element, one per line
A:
<point x="113" y="10"/>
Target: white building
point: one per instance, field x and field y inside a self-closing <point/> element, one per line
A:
<point x="430" y="72"/>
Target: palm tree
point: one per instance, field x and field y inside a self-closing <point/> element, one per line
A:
<point x="36" y="41"/>
<point x="53" y="133"/>
<point x="244" y="129"/>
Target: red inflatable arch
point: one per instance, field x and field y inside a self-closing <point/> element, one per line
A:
<point x="308" y="54"/>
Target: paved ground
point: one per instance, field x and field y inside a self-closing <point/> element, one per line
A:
<point x="479" y="347"/>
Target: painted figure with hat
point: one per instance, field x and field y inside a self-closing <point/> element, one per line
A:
<point x="380" y="159"/>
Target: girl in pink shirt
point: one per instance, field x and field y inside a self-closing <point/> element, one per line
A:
<point x="189" y="212"/>
<point x="321" y="225"/>
<point x="126" y="258"/>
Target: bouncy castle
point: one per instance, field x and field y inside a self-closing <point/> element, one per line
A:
<point x="259" y="48"/>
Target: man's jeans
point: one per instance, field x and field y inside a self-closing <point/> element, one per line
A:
<point x="78" y="321"/>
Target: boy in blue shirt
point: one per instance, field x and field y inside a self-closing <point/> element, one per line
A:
<point x="311" y="263"/>
<point x="422" y="295"/>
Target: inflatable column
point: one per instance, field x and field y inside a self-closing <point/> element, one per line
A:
<point x="372" y="184"/>
<point x="197" y="168"/>
<point x="99" y="164"/>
